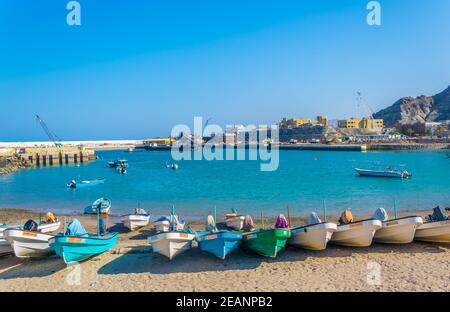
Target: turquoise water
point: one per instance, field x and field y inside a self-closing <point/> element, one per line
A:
<point x="303" y="180"/>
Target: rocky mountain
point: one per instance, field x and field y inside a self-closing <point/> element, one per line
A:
<point x="409" y="110"/>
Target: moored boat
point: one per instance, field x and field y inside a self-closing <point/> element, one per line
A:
<point x="118" y="163"/>
<point x="74" y="184"/>
<point x="435" y="229"/>
<point x="138" y="219"/>
<point x="26" y="244"/>
<point x="313" y="236"/>
<point x="266" y="242"/>
<point x="397" y="230"/>
<point x="355" y="233"/>
<point x="77" y="245"/>
<point x="388" y="173"/>
<point x="103" y="203"/>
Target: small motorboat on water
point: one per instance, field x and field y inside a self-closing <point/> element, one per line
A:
<point x="121" y="170"/>
<point x="77" y="245"/>
<point x="355" y="233"/>
<point x="118" y="163"/>
<point x="103" y="203"/>
<point x="74" y="184"/>
<point x="174" y="242"/>
<point x="397" y="230"/>
<point x="234" y="221"/>
<point x="266" y="242"/>
<point x="138" y="219"/>
<point x="436" y="227"/>
<point x="218" y="243"/>
<point x="173" y="166"/>
<point x="313" y="236"/>
<point x="388" y="173"/>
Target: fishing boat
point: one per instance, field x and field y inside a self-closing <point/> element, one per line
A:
<point x="355" y="233"/>
<point x="162" y="224"/>
<point x="388" y="173"/>
<point x="26" y="244"/>
<point x="397" y="230"/>
<point x="103" y="203"/>
<point x="435" y="229"/>
<point x="3" y="227"/>
<point x="175" y="241"/>
<point x="138" y="219"/>
<point x="76" y="245"/>
<point x="50" y="224"/>
<point x="266" y="242"/>
<point x="234" y="221"/>
<point x="74" y="184"/>
<point x="218" y="243"/>
<point x="314" y="236"/>
<point x="118" y="163"/>
<point x="173" y="166"/>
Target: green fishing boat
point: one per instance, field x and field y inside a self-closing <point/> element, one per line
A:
<point x="266" y="242"/>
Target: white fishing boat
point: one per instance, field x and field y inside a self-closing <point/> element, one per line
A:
<point x="171" y="244"/>
<point x="388" y="173"/>
<point x="435" y="232"/>
<point x="162" y="225"/>
<point x="139" y="219"/>
<point x="27" y="244"/>
<point x="436" y="227"/>
<point x="312" y="237"/>
<point x="356" y="234"/>
<point x="398" y="231"/>
<point x="235" y="223"/>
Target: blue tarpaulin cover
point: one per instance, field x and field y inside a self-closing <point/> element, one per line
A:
<point x="75" y="228"/>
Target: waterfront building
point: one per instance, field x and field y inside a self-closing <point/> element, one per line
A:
<point x="293" y="122"/>
<point x="361" y="123"/>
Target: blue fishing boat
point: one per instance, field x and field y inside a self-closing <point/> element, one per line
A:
<point x="102" y="204"/>
<point x="74" y="184"/>
<point x="77" y="245"/>
<point x="118" y="163"/>
<point x="218" y="243"/>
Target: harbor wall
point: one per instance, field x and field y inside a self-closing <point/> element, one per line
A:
<point x="54" y="156"/>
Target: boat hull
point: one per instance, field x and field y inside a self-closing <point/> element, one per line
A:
<point x="5" y="247"/>
<point x="77" y="249"/>
<point x="312" y="237"/>
<point x="381" y="174"/>
<point x="27" y="244"/>
<point x="134" y="222"/>
<point x="266" y="242"/>
<point x="357" y="234"/>
<point x="171" y="244"/>
<point x="435" y="232"/>
<point x="49" y="227"/>
<point x="219" y="244"/>
<point x="398" y="231"/>
<point x="235" y="223"/>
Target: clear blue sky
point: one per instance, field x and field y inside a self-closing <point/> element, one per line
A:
<point x="133" y="69"/>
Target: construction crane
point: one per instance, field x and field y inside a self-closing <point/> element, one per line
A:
<point x="53" y="137"/>
<point x="362" y="102"/>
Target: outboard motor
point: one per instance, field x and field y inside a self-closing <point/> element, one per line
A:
<point x="314" y="218"/>
<point x="30" y="225"/>
<point x="380" y="214"/>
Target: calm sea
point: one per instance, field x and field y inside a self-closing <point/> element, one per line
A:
<point x="304" y="180"/>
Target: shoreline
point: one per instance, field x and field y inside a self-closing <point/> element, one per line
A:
<point x="132" y="266"/>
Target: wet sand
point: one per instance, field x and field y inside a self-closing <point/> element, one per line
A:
<point x="132" y="266"/>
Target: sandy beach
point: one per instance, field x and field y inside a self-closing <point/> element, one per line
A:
<point x="132" y="266"/>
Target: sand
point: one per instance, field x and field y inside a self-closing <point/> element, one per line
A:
<point x="132" y="266"/>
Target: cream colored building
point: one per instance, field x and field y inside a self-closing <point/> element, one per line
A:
<point x="361" y="123"/>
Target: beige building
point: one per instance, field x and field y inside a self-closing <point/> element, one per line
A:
<point x="293" y="122"/>
<point x="361" y="123"/>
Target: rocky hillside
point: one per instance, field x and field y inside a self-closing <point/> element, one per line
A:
<point x="409" y="110"/>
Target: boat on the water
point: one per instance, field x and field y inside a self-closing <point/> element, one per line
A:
<point x="388" y="173"/>
<point x="138" y="219"/>
<point x="436" y="227"/>
<point x="397" y="230"/>
<point x="265" y="241"/>
<point x="76" y="245"/>
<point x="28" y="244"/>
<point x="314" y="236"/>
<point x="355" y="233"/>
<point x="74" y="184"/>
<point x="175" y="241"/>
<point x="173" y="166"/>
<point x="103" y="205"/>
<point x="218" y="243"/>
<point x="118" y="163"/>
